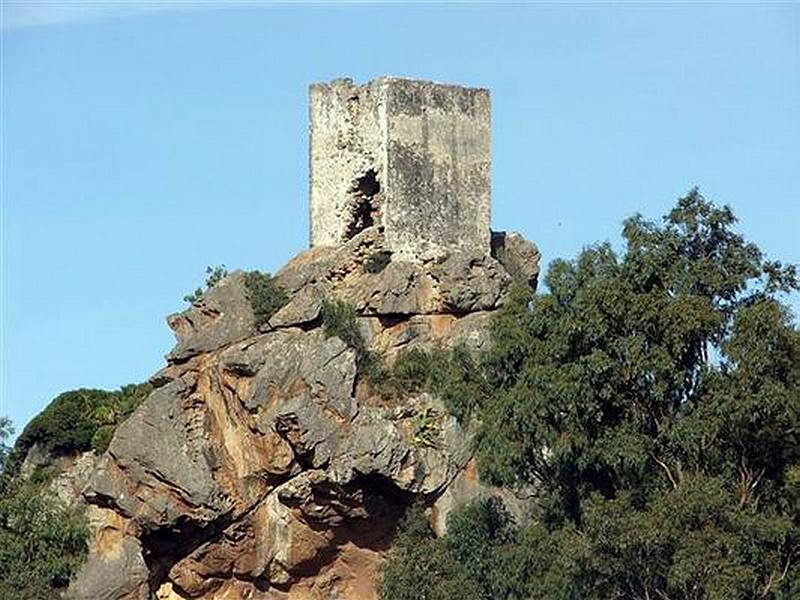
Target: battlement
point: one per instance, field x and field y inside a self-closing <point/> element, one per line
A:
<point x="411" y="156"/>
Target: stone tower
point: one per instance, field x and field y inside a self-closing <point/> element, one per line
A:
<point x="411" y="156"/>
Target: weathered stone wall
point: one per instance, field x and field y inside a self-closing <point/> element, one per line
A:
<point x="411" y="156"/>
<point x="345" y="144"/>
<point x="438" y="154"/>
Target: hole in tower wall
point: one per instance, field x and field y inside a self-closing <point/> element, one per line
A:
<point x="363" y="209"/>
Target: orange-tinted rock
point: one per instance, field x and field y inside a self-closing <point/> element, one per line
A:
<point x="264" y="466"/>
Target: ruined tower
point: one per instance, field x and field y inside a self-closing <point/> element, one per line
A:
<point x="411" y="156"/>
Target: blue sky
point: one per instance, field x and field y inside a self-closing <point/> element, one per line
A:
<point x="144" y="141"/>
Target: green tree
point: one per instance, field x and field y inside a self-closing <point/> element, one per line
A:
<point x="652" y="399"/>
<point x="468" y="564"/>
<point x="41" y="544"/>
<point x="6" y="430"/>
<point x="77" y="421"/>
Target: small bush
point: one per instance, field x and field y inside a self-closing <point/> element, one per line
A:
<point x="265" y="295"/>
<point x="377" y="262"/>
<point x="371" y="366"/>
<point x="452" y="375"/>
<point x="339" y="319"/>
<point x="213" y="276"/>
<point x="411" y="372"/>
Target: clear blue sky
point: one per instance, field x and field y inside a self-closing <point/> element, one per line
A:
<point x="142" y="142"/>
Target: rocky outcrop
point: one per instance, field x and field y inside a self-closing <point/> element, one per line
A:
<point x="519" y="256"/>
<point x="221" y="316"/>
<point x="265" y="465"/>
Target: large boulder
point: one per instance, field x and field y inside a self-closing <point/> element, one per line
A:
<point x="115" y="568"/>
<point x="265" y="464"/>
<point x="158" y="469"/>
<point x="519" y="257"/>
<point x="221" y="316"/>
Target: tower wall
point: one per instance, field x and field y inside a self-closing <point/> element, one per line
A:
<point x="411" y="156"/>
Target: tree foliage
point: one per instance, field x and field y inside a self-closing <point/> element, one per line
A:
<point x="41" y="543"/>
<point x="77" y="421"/>
<point x="652" y="400"/>
<point x="213" y="276"/>
<point x="470" y="563"/>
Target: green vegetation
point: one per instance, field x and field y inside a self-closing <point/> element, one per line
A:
<point x="41" y="543"/>
<point x="6" y="430"/>
<point x="452" y="375"/>
<point x="66" y="425"/>
<point x="426" y="428"/>
<point x="377" y="262"/>
<point x="77" y="421"/>
<point x="412" y="372"/>
<point x="473" y="562"/>
<point x="102" y="438"/>
<point x="339" y="319"/>
<point x="653" y="400"/>
<point x="265" y="296"/>
<point x="213" y="276"/>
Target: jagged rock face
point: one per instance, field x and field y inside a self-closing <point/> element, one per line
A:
<point x="263" y="466"/>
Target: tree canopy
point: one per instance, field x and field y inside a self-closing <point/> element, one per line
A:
<point x="42" y="541"/>
<point x="651" y="399"/>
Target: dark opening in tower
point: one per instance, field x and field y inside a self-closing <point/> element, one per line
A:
<point x="363" y="209"/>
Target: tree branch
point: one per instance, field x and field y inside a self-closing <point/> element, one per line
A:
<point x="664" y="466"/>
